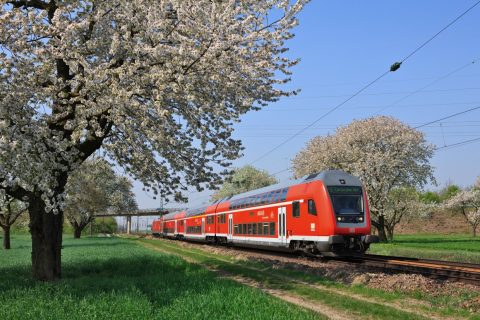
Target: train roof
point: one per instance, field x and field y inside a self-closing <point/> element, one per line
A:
<point x="328" y="177"/>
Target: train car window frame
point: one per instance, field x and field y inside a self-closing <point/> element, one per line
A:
<point x="312" y="208"/>
<point x="296" y="209"/>
<point x="272" y="228"/>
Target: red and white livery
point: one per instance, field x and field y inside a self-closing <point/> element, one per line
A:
<point x="324" y="213"/>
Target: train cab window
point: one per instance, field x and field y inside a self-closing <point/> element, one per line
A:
<point x="265" y="228"/>
<point x="259" y="229"/>
<point x="254" y="228"/>
<point x="296" y="209"/>
<point x="312" y="209"/>
<point x="272" y="228"/>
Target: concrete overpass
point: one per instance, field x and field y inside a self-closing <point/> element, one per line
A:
<point x="140" y="213"/>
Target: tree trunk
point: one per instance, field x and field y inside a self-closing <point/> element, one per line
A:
<point x="6" y="237"/>
<point x="46" y="230"/>
<point x="382" y="235"/>
<point x="389" y="233"/>
<point x="77" y="231"/>
<point x="474" y="231"/>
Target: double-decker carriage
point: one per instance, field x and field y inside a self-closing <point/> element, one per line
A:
<point x="324" y="213"/>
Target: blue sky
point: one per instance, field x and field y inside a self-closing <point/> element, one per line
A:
<point x="344" y="45"/>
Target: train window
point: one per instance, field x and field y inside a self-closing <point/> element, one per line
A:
<point x="235" y="229"/>
<point x="283" y="196"/>
<point x="276" y="196"/>
<point x="260" y="228"/>
<point x="296" y="209"/>
<point x="244" y="229"/>
<point x="264" y="198"/>
<point x="254" y="228"/>
<point x="272" y="228"/>
<point x="210" y="219"/>
<point x="265" y="229"/>
<point x="249" y="228"/>
<point x="312" y="209"/>
<point x="271" y="196"/>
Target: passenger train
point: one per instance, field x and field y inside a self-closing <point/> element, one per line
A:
<point x="324" y="213"/>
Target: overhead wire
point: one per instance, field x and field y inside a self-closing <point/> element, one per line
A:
<point x="426" y="124"/>
<point x="393" y="68"/>
<point x="430" y="84"/>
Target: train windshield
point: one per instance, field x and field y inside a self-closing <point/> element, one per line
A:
<point x="346" y="200"/>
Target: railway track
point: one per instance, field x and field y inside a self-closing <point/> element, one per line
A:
<point x="446" y="270"/>
<point x="437" y="269"/>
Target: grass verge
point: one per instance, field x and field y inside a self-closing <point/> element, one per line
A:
<point x="462" y="248"/>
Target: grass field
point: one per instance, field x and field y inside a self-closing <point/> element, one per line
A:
<point x="111" y="278"/>
<point x="119" y="278"/>
<point x="443" y="247"/>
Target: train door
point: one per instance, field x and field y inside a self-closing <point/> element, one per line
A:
<point x="203" y="226"/>
<point x="282" y="225"/>
<point x="230" y="226"/>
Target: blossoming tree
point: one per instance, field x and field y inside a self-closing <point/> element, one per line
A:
<point x="94" y="188"/>
<point x="155" y="84"/>
<point x="382" y="151"/>
<point x="467" y="202"/>
<point x="242" y="180"/>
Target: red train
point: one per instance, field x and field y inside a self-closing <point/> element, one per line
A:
<point x="322" y="213"/>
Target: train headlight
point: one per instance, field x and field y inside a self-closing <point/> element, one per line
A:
<point x="339" y="218"/>
<point x="360" y="219"/>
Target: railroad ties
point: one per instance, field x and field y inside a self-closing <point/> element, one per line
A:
<point x="446" y="270"/>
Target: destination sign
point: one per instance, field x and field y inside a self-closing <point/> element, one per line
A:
<point x="345" y="190"/>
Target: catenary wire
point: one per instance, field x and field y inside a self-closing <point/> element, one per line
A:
<point x="393" y="68"/>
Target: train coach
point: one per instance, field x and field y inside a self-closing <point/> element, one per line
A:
<point x="323" y="213"/>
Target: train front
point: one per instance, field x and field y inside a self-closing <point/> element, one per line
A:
<point x="349" y="213"/>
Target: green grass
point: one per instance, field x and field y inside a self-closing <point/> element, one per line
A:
<point x="111" y="278"/>
<point x="462" y="248"/>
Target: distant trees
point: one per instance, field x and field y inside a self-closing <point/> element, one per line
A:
<point x="467" y="202"/>
<point x="10" y="210"/>
<point x="94" y="189"/>
<point x="404" y="203"/>
<point x="382" y="151"/>
<point x="244" y="179"/>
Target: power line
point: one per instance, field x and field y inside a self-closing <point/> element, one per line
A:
<point x="458" y="144"/>
<point x="321" y="117"/>
<point x="430" y="84"/>
<point x="393" y="68"/>
<point x="426" y="124"/>
<point x="439" y="32"/>
<point x="447" y="117"/>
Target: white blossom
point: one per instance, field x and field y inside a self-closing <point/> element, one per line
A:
<point x="156" y="85"/>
